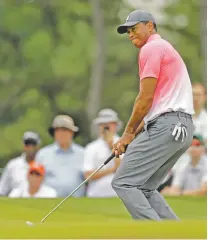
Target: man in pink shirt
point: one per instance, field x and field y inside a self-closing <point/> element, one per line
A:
<point x="160" y="128"/>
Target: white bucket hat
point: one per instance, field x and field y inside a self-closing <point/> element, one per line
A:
<point x="63" y="121"/>
<point x="107" y="115"/>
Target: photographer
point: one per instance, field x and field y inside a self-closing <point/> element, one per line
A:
<point x="98" y="151"/>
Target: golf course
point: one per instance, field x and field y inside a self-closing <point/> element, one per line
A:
<point x="97" y="218"/>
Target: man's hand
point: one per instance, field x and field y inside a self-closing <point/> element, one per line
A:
<point x="120" y="146"/>
<point x="117" y="162"/>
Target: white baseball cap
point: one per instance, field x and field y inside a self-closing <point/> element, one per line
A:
<point x="32" y="137"/>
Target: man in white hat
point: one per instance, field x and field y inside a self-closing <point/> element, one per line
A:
<point x="98" y="151"/>
<point x="63" y="159"/>
<point x="15" y="172"/>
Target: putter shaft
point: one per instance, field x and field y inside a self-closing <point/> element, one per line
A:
<point x="108" y="160"/>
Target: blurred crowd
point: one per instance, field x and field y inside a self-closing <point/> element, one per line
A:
<point x="57" y="169"/>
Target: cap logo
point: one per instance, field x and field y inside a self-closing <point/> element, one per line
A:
<point x="127" y="18"/>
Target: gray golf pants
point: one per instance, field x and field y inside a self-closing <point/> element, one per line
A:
<point x="146" y="162"/>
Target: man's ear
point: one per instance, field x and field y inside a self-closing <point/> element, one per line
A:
<point x="150" y="26"/>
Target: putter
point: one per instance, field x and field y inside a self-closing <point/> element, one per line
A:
<point x="106" y="162"/>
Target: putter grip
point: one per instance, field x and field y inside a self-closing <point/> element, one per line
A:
<point x="110" y="158"/>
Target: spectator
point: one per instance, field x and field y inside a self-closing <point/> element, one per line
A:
<point x="34" y="187"/>
<point x="183" y="160"/>
<point x="200" y="127"/>
<point x="191" y="179"/>
<point x="63" y="159"/>
<point x="200" y="117"/>
<point x="98" y="151"/>
<point x="15" y="172"/>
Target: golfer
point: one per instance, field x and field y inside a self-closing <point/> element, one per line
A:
<point x="160" y="128"/>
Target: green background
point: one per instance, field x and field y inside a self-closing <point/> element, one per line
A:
<point x="49" y="55"/>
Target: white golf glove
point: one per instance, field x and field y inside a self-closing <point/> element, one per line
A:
<point x="178" y="131"/>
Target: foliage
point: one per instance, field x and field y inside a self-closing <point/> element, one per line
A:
<point x="47" y="50"/>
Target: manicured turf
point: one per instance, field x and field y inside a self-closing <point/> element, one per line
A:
<point x="97" y="218"/>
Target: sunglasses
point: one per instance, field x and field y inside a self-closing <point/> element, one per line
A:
<point x="35" y="173"/>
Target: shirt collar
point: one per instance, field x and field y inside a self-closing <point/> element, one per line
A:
<point x="153" y="37"/>
<point x="60" y="150"/>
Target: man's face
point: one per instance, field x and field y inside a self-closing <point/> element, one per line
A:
<point x="35" y="179"/>
<point x="63" y="135"/>
<point x="30" y="150"/>
<point x="199" y="96"/>
<point x="197" y="149"/>
<point x="140" y="33"/>
<point x="110" y="127"/>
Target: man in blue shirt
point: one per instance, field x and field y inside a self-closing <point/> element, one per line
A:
<point x="63" y="159"/>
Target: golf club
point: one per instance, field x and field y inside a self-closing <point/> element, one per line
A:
<point x="106" y="162"/>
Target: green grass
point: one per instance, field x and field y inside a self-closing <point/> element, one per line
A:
<point x="97" y="218"/>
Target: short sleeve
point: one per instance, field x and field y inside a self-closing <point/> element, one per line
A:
<point x="150" y="60"/>
<point x="5" y="182"/>
<point x="15" y="193"/>
<point x="89" y="155"/>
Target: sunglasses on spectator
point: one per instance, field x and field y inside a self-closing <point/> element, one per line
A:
<point x="30" y="142"/>
<point x="35" y="173"/>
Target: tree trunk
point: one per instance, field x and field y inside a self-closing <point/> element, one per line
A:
<point x="203" y="24"/>
<point x="97" y="77"/>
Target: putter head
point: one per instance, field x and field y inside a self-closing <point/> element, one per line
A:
<point x="29" y="223"/>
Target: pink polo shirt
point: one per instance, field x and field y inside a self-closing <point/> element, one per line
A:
<point x="158" y="59"/>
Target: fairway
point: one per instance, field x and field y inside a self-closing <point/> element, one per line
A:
<point x="97" y="218"/>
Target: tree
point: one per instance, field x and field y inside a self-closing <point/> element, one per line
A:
<point x="66" y="56"/>
<point x="97" y="76"/>
<point x="182" y="27"/>
<point x="47" y="70"/>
